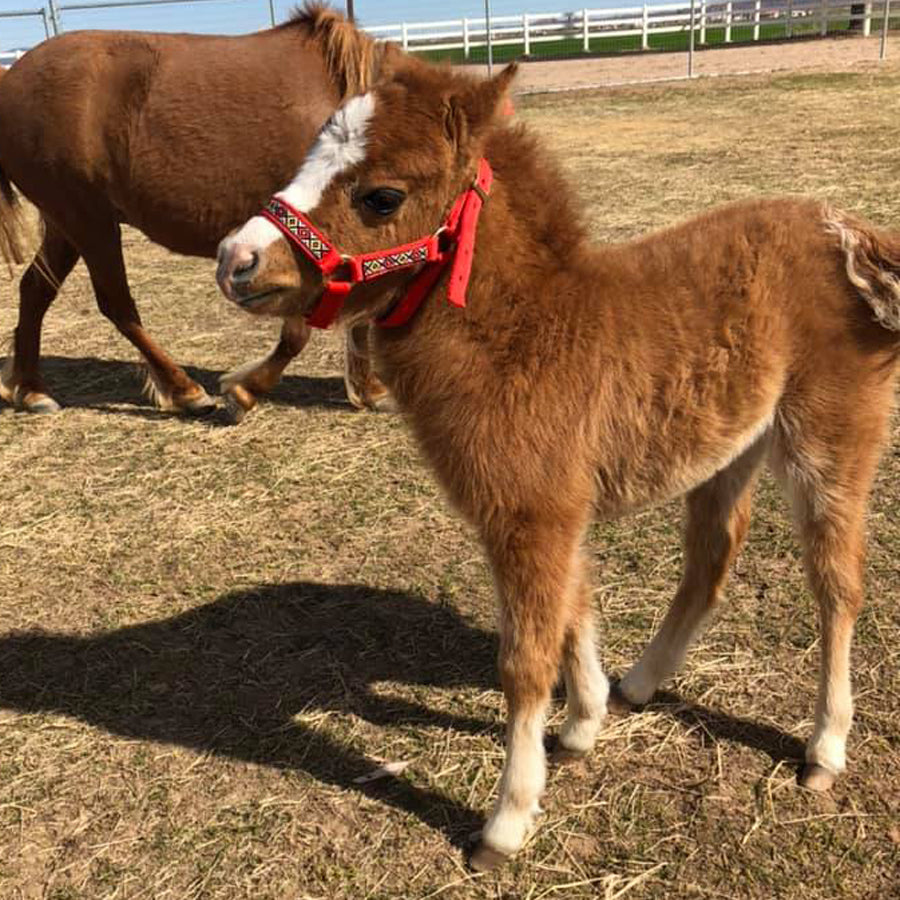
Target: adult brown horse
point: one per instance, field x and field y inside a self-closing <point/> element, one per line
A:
<point x="98" y="129"/>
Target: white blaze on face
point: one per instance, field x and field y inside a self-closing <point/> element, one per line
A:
<point x="340" y="145"/>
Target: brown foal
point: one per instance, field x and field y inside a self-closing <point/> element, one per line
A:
<point x="98" y="129"/>
<point x="583" y="381"/>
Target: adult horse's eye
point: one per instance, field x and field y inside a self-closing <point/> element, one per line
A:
<point x="384" y="201"/>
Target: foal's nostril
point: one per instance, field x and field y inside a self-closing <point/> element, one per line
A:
<point x="245" y="266"/>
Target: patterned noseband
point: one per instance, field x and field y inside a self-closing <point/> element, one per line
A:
<point x="453" y="242"/>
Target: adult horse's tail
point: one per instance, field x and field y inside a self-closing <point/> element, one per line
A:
<point x="10" y="223"/>
<point x="872" y="259"/>
<point x="10" y="219"/>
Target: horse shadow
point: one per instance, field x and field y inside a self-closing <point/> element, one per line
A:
<point x="246" y="677"/>
<point x="88" y="383"/>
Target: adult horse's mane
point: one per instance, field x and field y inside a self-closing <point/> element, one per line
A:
<point x="351" y="55"/>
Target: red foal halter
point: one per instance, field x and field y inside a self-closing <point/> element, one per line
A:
<point x="453" y="242"/>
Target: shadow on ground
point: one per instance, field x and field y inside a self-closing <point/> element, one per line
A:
<point x="85" y="382"/>
<point x="231" y="677"/>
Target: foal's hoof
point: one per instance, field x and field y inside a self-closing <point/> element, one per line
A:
<point x="617" y="704"/>
<point x="817" y="778"/>
<point x="484" y="858"/>
<point x="560" y="755"/>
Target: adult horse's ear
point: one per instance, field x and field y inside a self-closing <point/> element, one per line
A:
<point x="468" y="114"/>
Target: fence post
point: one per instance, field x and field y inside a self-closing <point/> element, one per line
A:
<point x="884" y="29"/>
<point x="272" y="12"/>
<point x="645" y="28"/>
<point x="526" y="36"/>
<point x="867" y="20"/>
<point x="54" y="17"/>
<point x="728" y="22"/>
<point x="585" y="31"/>
<point x="45" y="21"/>
<point x="789" y="25"/>
<point x="404" y="37"/>
<point x="702" y="21"/>
<point x="691" y="44"/>
<point x="757" y="15"/>
<point x="824" y="15"/>
<point x="466" y="38"/>
<point x="490" y="39"/>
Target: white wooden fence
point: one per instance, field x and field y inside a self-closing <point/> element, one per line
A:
<point x="529" y="30"/>
<point x="714" y="21"/>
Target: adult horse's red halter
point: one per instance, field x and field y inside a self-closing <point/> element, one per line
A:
<point x="453" y="241"/>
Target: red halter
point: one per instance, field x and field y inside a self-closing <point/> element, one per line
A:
<point x="453" y="241"/>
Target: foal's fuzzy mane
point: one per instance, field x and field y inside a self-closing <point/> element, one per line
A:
<point x="352" y="57"/>
<point x="538" y="190"/>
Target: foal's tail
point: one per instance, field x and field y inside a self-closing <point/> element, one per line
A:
<point x="10" y="224"/>
<point x="872" y="258"/>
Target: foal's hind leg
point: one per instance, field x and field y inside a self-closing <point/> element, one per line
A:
<point x="536" y="571"/>
<point x="244" y="385"/>
<point x="20" y="381"/>
<point x="172" y="388"/>
<point x="829" y="499"/>
<point x="718" y="515"/>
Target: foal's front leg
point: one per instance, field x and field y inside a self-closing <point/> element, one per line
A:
<point x="536" y="573"/>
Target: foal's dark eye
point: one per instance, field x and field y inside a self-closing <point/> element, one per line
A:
<point x="384" y="201"/>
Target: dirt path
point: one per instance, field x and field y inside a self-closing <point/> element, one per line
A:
<point x="833" y="54"/>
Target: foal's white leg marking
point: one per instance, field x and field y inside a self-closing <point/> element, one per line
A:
<point x="664" y="654"/>
<point x="521" y="786"/>
<point x="587" y="690"/>
<point x="340" y="145"/>
<point x="834" y="707"/>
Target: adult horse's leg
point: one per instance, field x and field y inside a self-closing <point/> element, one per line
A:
<point x="718" y="515"/>
<point x="20" y="381"/>
<point x="365" y="389"/>
<point x="535" y="569"/>
<point x="171" y="387"/>
<point x="242" y="387"/>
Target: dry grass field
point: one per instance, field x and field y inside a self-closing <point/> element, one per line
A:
<point x="209" y="634"/>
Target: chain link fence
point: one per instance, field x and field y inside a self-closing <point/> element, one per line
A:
<point x="563" y="48"/>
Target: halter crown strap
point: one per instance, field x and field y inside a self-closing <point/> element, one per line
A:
<point x="454" y="240"/>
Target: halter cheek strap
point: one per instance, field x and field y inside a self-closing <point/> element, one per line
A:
<point x="453" y="242"/>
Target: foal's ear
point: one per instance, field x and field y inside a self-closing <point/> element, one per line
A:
<point x="470" y="112"/>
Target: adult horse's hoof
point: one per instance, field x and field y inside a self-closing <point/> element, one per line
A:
<point x="29" y="401"/>
<point x="817" y="778"/>
<point x="484" y="858"/>
<point x="42" y="404"/>
<point x="238" y="402"/>
<point x="197" y="404"/>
